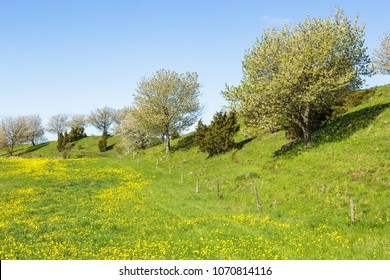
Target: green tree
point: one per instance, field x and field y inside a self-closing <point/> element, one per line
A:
<point x="103" y="142"/>
<point x="60" y="141"/>
<point x="77" y="125"/>
<point x="293" y="76"/>
<point x="169" y="103"/>
<point x="77" y="133"/>
<point x="218" y="137"/>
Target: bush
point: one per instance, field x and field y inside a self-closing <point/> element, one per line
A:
<point x="103" y="142"/>
<point x="62" y="140"/>
<point x="175" y="135"/>
<point x="218" y="137"/>
<point x="77" y="133"/>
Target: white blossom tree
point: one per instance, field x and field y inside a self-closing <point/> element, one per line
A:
<point x="381" y="56"/>
<point x="13" y="130"/>
<point x="169" y="103"/>
<point x="294" y="75"/>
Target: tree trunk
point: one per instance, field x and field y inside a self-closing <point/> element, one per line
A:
<point x="307" y="137"/>
<point x="10" y="150"/>
<point x="306" y="128"/>
<point x="168" y="144"/>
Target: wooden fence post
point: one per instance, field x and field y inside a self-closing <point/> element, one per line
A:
<point x="257" y="199"/>
<point x="352" y="207"/>
<point x="218" y="191"/>
<point x="197" y="184"/>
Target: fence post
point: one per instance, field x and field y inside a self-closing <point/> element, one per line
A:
<point x="197" y="184"/>
<point x="218" y="191"/>
<point x="257" y="199"/>
<point x="352" y="207"/>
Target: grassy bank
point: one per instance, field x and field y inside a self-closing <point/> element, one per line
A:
<point x="145" y="205"/>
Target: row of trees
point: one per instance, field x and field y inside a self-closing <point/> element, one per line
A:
<point x="29" y="129"/>
<point x="21" y="129"/>
<point x="101" y="119"/>
<point x="291" y="80"/>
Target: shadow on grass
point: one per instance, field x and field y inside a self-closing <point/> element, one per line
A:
<point x="110" y="147"/>
<point x="185" y="143"/>
<point x="343" y="127"/>
<point x="337" y="129"/>
<point x="241" y="144"/>
<point x="34" y="148"/>
<point x="239" y="147"/>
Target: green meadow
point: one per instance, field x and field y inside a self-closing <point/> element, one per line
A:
<point x="184" y="205"/>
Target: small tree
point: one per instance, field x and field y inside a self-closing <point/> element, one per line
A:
<point x="77" y="125"/>
<point x="14" y="130"/>
<point x="3" y="139"/>
<point x="133" y="134"/>
<point x="35" y="129"/>
<point x="102" y="119"/>
<point x="218" y="137"/>
<point x="169" y="103"/>
<point x="60" y="142"/>
<point x="381" y="57"/>
<point x="103" y="142"/>
<point x="58" y="125"/>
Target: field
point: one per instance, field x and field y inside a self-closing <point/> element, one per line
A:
<point x="145" y="205"/>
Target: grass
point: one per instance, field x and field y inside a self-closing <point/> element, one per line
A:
<point x="105" y="207"/>
<point x="84" y="148"/>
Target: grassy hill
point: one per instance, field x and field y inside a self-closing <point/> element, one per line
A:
<point x="304" y="195"/>
<point x="87" y="147"/>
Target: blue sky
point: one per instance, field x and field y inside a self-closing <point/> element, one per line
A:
<point x="73" y="56"/>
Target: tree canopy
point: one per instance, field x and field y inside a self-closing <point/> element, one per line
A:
<point x="294" y="75"/>
<point x="13" y="130"/>
<point x="57" y="124"/>
<point x="102" y="118"/>
<point x="381" y="57"/>
<point x="169" y="103"/>
<point x="132" y="131"/>
<point x="36" y="131"/>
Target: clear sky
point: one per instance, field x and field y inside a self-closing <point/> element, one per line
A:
<point x="73" y="56"/>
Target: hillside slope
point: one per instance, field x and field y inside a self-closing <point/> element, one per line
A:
<point x="309" y="190"/>
<point x="304" y="194"/>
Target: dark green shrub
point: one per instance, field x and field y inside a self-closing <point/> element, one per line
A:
<point x="103" y="142"/>
<point x="77" y="133"/>
<point x="175" y="135"/>
<point x="218" y="137"/>
<point x="60" y="138"/>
